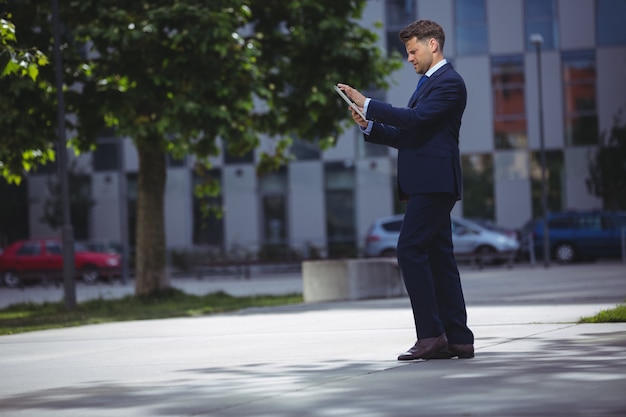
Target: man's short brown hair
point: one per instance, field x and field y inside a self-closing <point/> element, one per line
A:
<point x="423" y="30"/>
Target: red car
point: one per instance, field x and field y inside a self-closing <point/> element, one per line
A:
<point x="37" y="259"/>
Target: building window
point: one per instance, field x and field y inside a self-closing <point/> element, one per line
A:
<point x="232" y="156"/>
<point x="273" y="202"/>
<point x="173" y="162"/>
<point x="340" y="212"/>
<point x="579" y="89"/>
<point x="399" y="13"/>
<point x="555" y="177"/>
<point x="208" y="225"/>
<point x="14" y="224"/>
<point x="541" y="18"/>
<point x="610" y="22"/>
<point x="478" y="200"/>
<point x="507" y="76"/>
<point x="105" y="157"/>
<point x="471" y="27"/>
<point x="132" y="193"/>
<point x="305" y="150"/>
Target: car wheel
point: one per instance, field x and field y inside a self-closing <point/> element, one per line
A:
<point x="485" y="254"/>
<point x="389" y="253"/>
<point x="89" y="274"/>
<point x="565" y="253"/>
<point x="11" y="279"/>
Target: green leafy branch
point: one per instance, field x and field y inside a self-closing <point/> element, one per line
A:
<point x="21" y="62"/>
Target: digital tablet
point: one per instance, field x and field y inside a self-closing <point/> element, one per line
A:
<point x="350" y="102"/>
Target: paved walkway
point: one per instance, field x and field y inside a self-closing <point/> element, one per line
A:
<point x="333" y="359"/>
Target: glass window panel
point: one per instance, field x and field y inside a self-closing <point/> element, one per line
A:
<point x="541" y="18"/>
<point x="208" y="225"/>
<point x="507" y="135"/>
<point x="340" y="210"/>
<point x="398" y="14"/>
<point x="555" y="178"/>
<point x="471" y="27"/>
<point x="471" y="40"/>
<point x="340" y="224"/>
<point x="176" y="163"/>
<point x="610" y="22"/>
<point x="105" y="157"/>
<point x="232" y="157"/>
<point x="395" y="44"/>
<point x="339" y="175"/>
<point x="478" y="181"/>
<point x="273" y="202"/>
<point x="14" y="211"/>
<point x="81" y="203"/>
<point x="547" y="32"/>
<point x="132" y="180"/>
<point x="274" y="181"/>
<point x="51" y="167"/>
<point x="470" y="11"/>
<point x="582" y="130"/>
<point x="305" y="150"/>
<point x="509" y="102"/>
<point x="537" y="9"/>
<point x="579" y="94"/>
<point x="274" y="219"/>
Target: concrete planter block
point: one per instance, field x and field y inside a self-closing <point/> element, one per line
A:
<point x="351" y="279"/>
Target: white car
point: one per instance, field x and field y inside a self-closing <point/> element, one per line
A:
<point x="468" y="238"/>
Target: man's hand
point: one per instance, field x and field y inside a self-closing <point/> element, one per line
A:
<point x="357" y="118"/>
<point x="354" y="94"/>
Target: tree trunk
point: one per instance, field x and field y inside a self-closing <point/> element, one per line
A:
<point x="151" y="265"/>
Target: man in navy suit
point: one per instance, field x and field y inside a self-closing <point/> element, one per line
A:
<point x="426" y="134"/>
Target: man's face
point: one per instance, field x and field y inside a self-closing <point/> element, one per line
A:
<point x="419" y="54"/>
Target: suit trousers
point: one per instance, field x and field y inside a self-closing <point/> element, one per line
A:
<point x="431" y="276"/>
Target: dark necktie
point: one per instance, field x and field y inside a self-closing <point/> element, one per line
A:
<point x="421" y="81"/>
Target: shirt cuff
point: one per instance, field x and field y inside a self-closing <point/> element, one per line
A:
<point x="367" y="130"/>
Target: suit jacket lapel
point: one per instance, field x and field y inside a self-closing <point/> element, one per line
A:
<point x="426" y="85"/>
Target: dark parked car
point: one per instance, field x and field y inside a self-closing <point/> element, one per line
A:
<point x="39" y="259"/>
<point x="467" y="237"/>
<point x="580" y="235"/>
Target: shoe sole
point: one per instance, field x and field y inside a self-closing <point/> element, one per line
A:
<point x="449" y="355"/>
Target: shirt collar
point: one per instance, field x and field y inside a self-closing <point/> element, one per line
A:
<point x="436" y="67"/>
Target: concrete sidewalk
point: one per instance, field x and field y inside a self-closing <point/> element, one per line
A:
<point x="333" y="359"/>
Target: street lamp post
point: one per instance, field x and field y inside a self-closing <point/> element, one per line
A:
<point x="67" y="231"/>
<point x="537" y="40"/>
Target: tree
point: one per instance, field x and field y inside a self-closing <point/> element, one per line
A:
<point x="16" y="60"/>
<point x="19" y="67"/>
<point x="607" y="169"/>
<point x="179" y="77"/>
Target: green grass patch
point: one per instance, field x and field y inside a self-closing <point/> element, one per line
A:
<point x="613" y="315"/>
<point x="169" y="303"/>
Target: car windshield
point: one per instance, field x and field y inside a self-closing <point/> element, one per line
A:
<point x="394" y="226"/>
<point x="80" y="247"/>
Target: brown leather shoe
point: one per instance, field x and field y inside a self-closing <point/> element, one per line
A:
<point x="425" y="348"/>
<point x="454" y="350"/>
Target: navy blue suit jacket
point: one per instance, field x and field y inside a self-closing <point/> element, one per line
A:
<point x="426" y="134"/>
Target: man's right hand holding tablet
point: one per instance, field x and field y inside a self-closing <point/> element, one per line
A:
<point x="359" y="100"/>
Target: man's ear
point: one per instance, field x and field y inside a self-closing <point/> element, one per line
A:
<point x="433" y="44"/>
